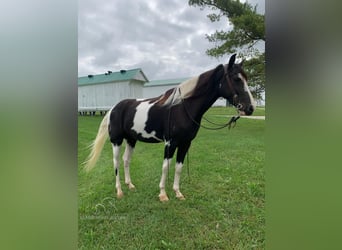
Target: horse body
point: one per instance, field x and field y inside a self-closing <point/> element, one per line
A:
<point x="172" y="118"/>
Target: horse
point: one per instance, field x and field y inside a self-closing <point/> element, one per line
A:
<point x="173" y="118"/>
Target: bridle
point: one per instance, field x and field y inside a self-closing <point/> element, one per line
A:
<point x="230" y="84"/>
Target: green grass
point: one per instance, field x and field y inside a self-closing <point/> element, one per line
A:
<point x="225" y="193"/>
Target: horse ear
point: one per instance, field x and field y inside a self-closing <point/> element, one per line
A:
<point x="231" y="61"/>
<point x="241" y="63"/>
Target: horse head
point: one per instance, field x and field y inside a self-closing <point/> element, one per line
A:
<point x="233" y="86"/>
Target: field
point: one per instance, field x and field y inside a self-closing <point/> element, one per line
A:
<point x="223" y="183"/>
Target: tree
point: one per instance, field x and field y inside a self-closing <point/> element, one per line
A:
<point x="248" y="30"/>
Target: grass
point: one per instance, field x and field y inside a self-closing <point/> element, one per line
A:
<point x="224" y="190"/>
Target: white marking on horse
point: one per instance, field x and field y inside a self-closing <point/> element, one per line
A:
<point x="127" y="159"/>
<point x="163" y="195"/>
<point x="245" y="86"/>
<point x="178" y="170"/>
<point x="116" y="156"/>
<point x="140" y="119"/>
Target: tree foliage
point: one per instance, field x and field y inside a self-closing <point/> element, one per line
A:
<point x="248" y="30"/>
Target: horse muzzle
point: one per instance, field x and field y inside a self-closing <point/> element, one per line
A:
<point x="245" y="111"/>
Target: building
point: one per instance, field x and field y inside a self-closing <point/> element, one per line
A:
<point x="103" y="91"/>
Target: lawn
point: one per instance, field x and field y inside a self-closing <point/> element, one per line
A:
<point x="223" y="183"/>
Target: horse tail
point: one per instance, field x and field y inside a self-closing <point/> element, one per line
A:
<point x="97" y="145"/>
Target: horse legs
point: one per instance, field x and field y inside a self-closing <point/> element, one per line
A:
<point x="116" y="157"/>
<point x="163" y="195"/>
<point x="182" y="150"/>
<point x="127" y="159"/>
<point x="168" y="154"/>
<point x="178" y="170"/>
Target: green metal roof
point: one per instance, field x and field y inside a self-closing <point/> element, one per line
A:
<point x="165" y="82"/>
<point x="122" y="75"/>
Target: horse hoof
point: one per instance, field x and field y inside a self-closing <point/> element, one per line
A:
<point x="163" y="198"/>
<point x="179" y="195"/>
<point x="181" y="198"/>
<point x="131" y="186"/>
<point x="119" y="194"/>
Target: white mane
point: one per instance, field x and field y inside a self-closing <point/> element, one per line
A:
<point x="182" y="91"/>
<point x="187" y="87"/>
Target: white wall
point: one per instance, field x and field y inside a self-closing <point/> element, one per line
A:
<point x="103" y="96"/>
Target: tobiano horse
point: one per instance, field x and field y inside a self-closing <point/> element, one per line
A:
<point x="173" y="118"/>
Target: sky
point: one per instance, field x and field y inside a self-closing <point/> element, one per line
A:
<point x="166" y="39"/>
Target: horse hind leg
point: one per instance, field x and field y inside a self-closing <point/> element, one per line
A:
<point x="127" y="160"/>
<point x="116" y="161"/>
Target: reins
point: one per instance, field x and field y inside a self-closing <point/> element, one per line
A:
<point x="230" y="124"/>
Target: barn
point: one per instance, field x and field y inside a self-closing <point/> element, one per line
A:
<point x="103" y="91"/>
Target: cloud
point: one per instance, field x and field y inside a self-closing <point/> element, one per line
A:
<point x="164" y="38"/>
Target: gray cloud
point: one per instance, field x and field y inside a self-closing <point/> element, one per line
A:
<point x="164" y="38"/>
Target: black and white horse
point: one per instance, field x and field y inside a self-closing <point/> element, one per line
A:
<point x="173" y="118"/>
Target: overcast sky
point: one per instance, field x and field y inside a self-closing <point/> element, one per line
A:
<point x="166" y="39"/>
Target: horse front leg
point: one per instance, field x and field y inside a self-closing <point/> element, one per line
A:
<point x="182" y="150"/>
<point x="165" y="168"/>
<point x="168" y="154"/>
<point x="178" y="170"/>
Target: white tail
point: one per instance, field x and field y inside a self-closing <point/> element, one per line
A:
<point x="97" y="145"/>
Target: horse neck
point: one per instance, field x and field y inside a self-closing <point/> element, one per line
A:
<point x="199" y="105"/>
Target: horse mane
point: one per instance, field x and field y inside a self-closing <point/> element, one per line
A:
<point x="175" y="95"/>
<point x="193" y="87"/>
<point x="187" y="87"/>
<point x="206" y="81"/>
